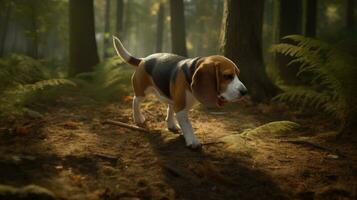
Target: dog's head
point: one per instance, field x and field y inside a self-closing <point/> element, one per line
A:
<point x="216" y="82"/>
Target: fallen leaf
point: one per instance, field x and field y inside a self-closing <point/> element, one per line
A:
<point x="71" y="125"/>
<point x="59" y="167"/>
<point x="208" y="170"/>
<point x="332" y="156"/>
<point x="127" y="99"/>
<point x="22" y="130"/>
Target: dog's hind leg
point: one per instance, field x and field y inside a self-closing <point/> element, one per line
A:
<point x="171" y="120"/>
<point x="140" y="82"/>
<point x="138" y="117"/>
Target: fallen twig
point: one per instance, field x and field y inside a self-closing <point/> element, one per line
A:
<point x="173" y="171"/>
<point x="112" y="159"/>
<point x="125" y="125"/>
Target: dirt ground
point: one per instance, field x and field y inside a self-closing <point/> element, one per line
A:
<point x="70" y="152"/>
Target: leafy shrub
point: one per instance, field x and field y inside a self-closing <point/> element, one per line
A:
<point x="332" y="88"/>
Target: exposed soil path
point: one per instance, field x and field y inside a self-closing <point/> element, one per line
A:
<point x="70" y="152"/>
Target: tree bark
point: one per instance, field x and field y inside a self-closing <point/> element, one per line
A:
<point x="310" y="14"/>
<point x="119" y="19"/>
<point x="5" y="23"/>
<point x="83" y="47"/>
<point x="290" y="23"/>
<point x="160" y="27"/>
<point x="106" y="29"/>
<point x="350" y="21"/>
<point x="33" y="40"/>
<point x="242" y="43"/>
<point x="178" y="33"/>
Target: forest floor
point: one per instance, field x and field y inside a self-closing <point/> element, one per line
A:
<point x="72" y="153"/>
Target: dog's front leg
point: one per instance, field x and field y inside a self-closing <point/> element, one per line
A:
<point x="187" y="130"/>
<point x="170" y="120"/>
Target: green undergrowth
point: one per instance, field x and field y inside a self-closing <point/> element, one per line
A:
<point x="22" y="78"/>
<point x="110" y="81"/>
<point x="28" y="85"/>
<point x="333" y="71"/>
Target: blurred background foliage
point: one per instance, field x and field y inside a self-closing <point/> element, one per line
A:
<point x="40" y="28"/>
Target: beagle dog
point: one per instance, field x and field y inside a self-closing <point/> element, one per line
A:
<point x="181" y="83"/>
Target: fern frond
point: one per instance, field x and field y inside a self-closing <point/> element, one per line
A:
<point x="286" y="49"/>
<point x="308" y="58"/>
<point x="303" y="97"/>
<point x="308" y="43"/>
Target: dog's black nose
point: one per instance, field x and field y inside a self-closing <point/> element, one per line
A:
<point x="243" y="92"/>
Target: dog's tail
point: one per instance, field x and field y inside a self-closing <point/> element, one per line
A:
<point x="124" y="54"/>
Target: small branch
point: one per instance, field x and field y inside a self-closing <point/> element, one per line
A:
<point x="125" y="125"/>
<point x="173" y="171"/>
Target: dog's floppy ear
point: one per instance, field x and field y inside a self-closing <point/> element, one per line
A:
<point x="205" y="82"/>
<point x="237" y="70"/>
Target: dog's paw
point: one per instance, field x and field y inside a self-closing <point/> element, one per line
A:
<point x="175" y="129"/>
<point x="194" y="144"/>
<point x="195" y="147"/>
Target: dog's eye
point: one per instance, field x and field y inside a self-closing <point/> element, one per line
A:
<point x="228" y="76"/>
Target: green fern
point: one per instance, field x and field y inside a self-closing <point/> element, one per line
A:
<point x="332" y="88"/>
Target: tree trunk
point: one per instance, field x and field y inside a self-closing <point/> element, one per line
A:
<point x="33" y="38"/>
<point x="350" y="21"/>
<point x="83" y="47"/>
<point x="290" y="23"/>
<point x="242" y="43"/>
<point x="5" y="27"/>
<point x="106" y="29"/>
<point x="178" y="33"/>
<point x="160" y="27"/>
<point x="119" y="19"/>
<point x="310" y="13"/>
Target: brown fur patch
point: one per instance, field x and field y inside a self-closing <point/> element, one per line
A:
<point x="178" y="91"/>
<point x="141" y="80"/>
